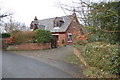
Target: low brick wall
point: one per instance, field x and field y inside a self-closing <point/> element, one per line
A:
<point x="30" y="46"/>
<point x="3" y="44"/>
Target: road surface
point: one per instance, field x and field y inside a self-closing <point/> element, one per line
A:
<point x="17" y="66"/>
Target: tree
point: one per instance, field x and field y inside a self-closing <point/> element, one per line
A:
<point x="13" y="25"/>
<point x="102" y="19"/>
<point x="4" y="14"/>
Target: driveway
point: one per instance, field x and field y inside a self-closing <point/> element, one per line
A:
<point x="53" y="58"/>
<point x="56" y="54"/>
<point x="16" y="66"/>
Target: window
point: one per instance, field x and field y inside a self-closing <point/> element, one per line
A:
<point x="69" y="37"/>
<point x="42" y="26"/>
<point x="56" y="24"/>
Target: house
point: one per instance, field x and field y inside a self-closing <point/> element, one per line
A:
<point x="62" y="28"/>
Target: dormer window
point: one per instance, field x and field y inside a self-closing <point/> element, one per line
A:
<point x="61" y="22"/>
<point x="58" y="22"/>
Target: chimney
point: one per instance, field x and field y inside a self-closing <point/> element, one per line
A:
<point x="35" y="18"/>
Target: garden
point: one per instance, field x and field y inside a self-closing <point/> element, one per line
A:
<point x="27" y="40"/>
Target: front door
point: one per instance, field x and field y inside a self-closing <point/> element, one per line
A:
<point x="54" y="41"/>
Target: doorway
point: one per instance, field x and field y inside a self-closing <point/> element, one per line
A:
<point x="54" y="41"/>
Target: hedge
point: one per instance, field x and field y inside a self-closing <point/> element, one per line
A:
<point x="103" y="56"/>
<point x="43" y="36"/>
<point x="5" y="35"/>
<point x="23" y="37"/>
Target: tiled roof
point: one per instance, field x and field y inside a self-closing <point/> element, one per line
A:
<point x="49" y="25"/>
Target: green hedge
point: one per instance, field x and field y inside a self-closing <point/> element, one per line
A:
<point x="23" y="37"/>
<point x="103" y="56"/>
<point x="39" y="36"/>
<point x="5" y="35"/>
<point x="42" y="36"/>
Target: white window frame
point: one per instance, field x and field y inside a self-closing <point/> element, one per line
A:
<point x="69" y="34"/>
<point x="56" y="27"/>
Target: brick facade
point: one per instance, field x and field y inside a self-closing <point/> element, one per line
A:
<point x="30" y="46"/>
<point x="73" y="27"/>
<point x="62" y="28"/>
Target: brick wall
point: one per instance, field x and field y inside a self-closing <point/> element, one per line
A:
<point x="30" y="46"/>
<point x="73" y="27"/>
<point x="3" y="44"/>
<point x="60" y="38"/>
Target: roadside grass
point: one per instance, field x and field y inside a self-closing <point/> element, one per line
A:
<point x="92" y="72"/>
<point x="72" y="59"/>
<point x="89" y="72"/>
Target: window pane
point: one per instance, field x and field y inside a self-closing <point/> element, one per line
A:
<point x="69" y="37"/>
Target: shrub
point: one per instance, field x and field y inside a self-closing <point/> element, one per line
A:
<point x="0" y="35"/>
<point x="80" y="39"/>
<point x="42" y="36"/>
<point x="5" y="35"/>
<point x="23" y="37"/>
<point x="63" y="41"/>
<point x="103" y="56"/>
<point x="14" y="32"/>
<point x="9" y="40"/>
<point x="4" y="44"/>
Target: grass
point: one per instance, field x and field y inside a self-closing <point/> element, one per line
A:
<point x="90" y="71"/>
<point x="72" y="59"/>
<point x="96" y="73"/>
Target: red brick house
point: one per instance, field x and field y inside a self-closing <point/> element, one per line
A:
<point x="62" y="28"/>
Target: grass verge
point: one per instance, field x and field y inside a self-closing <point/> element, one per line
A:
<point x="72" y="59"/>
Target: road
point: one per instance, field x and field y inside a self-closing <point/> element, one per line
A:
<point x="17" y="66"/>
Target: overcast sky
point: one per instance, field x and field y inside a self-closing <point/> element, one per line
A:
<point x="25" y="10"/>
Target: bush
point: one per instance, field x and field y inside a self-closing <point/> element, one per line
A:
<point x="42" y="36"/>
<point x="63" y="41"/>
<point x="103" y="56"/>
<point x="14" y="32"/>
<point x="4" y="44"/>
<point x="23" y="37"/>
<point x="5" y="35"/>
<point x="0" y="35"/>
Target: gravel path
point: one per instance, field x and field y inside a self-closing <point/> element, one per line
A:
<point x="56" y="54"/>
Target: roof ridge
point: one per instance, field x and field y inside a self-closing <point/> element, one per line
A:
<point x="54" y="17"/>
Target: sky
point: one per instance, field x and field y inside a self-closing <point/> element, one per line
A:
<point x="24" y="11"/>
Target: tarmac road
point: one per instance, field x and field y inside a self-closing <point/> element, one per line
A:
<point x="17" y="66"/>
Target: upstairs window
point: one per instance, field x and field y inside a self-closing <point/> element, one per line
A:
<point x="58" y="22"/>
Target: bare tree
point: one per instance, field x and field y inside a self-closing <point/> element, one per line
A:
<point x="4" y="14"/>
<point x="13" y="25"/>
<point x="85" y="11"/>
<point x="81" y="9"/>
